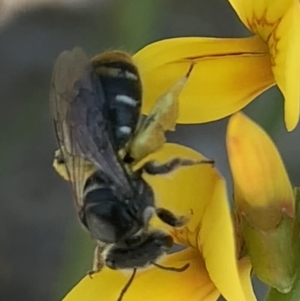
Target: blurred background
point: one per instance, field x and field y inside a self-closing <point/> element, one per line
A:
<point x="43" y="250"/>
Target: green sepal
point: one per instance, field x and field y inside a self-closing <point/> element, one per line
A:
<point x="273" y="252"/>
<point x="294" y="293"/>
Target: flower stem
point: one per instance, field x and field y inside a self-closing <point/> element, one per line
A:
<point x="294" y="294"/>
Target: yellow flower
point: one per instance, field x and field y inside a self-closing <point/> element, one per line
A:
<point x="230" y="73"/>
<point x="264" y="201"/>
<point x="277" y="23"/>
<point x="262" y="189"/>
<point x="199" y="193"/>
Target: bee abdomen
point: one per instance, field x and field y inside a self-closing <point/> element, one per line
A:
<point x="122" y="87"/>
<point x="124" y="102"/>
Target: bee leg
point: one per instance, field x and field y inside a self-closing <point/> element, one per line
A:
<point x="170" y="218"/>
<point x="173" y="269"/>
<point x="98" y="262"/>
<point x="155" y="168"/>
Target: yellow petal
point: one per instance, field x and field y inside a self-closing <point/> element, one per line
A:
<point x="152" y="284"/>
<point x="187" y="191"/>
<point x="266" y="11"/>
<point x="286" y="65"/>
<point x="228" y="74"/>
<point x="217" y="241"/>
<point x="262" y="187"/>
<point x="244" y="266"/>
<point x="199" y="193"/>
<point x="277" y="23"/>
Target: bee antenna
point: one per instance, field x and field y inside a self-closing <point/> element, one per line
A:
<point x="190" y="69"/>
<point x="127" y="285"/>
<point x="173" y="269"/>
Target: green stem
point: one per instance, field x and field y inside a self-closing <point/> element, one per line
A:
<point x="294" y="294"/>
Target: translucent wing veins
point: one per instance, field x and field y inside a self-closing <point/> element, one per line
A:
<point x="78" y="109"/>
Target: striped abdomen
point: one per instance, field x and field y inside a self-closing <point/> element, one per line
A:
<point x="122" y="88"/>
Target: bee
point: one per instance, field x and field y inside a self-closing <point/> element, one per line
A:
<point x="96" y="108"/>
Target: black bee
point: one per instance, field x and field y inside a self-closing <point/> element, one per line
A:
<point x="96" y="111"/>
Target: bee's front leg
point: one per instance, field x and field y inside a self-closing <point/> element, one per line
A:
<point x="98" y="261"/>
<point x="155" y="168"/>
<point x="170" y="218"/>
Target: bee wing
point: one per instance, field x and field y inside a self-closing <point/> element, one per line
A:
<point x="82" y="131"/>
<point x="74" y="169"/>
<point x="150" y="133"/>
